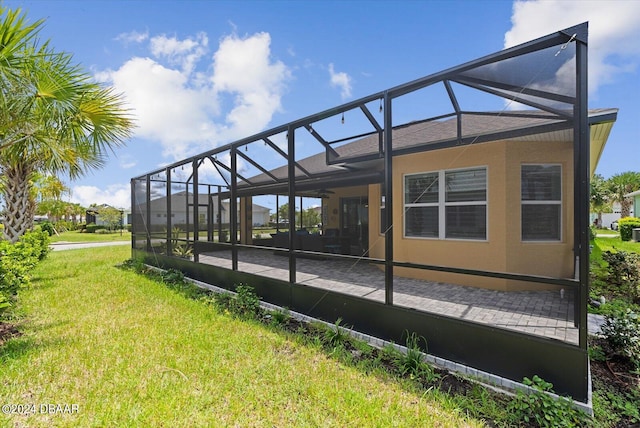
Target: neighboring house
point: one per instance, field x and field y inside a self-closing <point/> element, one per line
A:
<point x="609" y="218"/>
<point x="182" y="211"/>
<point x="635" y="208"/>
<point x="92" y="215"/>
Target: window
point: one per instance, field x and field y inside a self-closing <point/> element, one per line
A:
<point x="446" y="204"/>
<point x="541" y="197"/>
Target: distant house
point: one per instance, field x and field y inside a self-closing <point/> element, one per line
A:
<point x="92" y="215"/>
<point x="615" y="214"/>
<point x="209" y="210"/>
<point x="635" y="208"/>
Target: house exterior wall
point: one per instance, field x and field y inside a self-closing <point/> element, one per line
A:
<point x="332" y="204"/>
<point x="503" y="250"/>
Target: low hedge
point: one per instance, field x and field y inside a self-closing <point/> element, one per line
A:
<point x="17" y="260"/>
<point x="91" y="227"/>
<point x="626" y="226"/>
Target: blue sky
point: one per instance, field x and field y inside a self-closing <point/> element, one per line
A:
<point x="199" y="74"/>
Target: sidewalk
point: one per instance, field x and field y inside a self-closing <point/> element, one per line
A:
<point x="62" y="246"/>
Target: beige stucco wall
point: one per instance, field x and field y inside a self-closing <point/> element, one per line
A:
<point x="503" y="251"/>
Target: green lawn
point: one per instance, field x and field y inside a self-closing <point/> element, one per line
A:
<point x="130" y="352"/>
<point x="76" y="236"/>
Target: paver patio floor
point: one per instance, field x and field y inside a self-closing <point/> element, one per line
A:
<point x="543" y="313"/>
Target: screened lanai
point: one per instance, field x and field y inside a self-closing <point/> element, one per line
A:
<point x="454" y="206"/>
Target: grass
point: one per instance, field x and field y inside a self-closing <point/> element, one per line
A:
<point x="76" y="236"/>
<point x="615" y="243"/>
<point x="131" y="352"/>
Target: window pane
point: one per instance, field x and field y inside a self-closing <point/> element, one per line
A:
<point x="541" y="182"/>
<point x="541" y="222"/>
<point x="466" y="222"/>
<point x="467" y="185"/>
<point x="421" y="188"/>
<point x="383" y="220"/>
<point x="421" y="221"/>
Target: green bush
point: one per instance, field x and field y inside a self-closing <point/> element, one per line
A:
<point x="626" y="226"/>
<point x="48" y="227"/>
<point x="622" y="331"/>
<point x="538" y="408"/>
<point x="91" y="227"/>
<point x="624" y="272"/>
<point x="16" y="260"/>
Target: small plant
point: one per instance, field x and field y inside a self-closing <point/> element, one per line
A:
<point x="222" y="301"/>
<point x="539" y="408"/>
<point x="336" y="335"/>
<point x="280" y="316"/>
<point x="411" y="363"/>
<point x="182" y="250"/>
<point x="246" y="302"/>
<point x="172" y="276"/>
<point x="622" y="331"/>
<point x="4" y="303"/>
<point x="596" y="353"/>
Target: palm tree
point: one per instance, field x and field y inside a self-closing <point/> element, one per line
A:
<point x="622" y="184"/>
<point x="599" y="198"/>
<point x="56" y="120"/>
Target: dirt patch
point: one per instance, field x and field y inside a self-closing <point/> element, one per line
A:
<point x="7" y="331"/>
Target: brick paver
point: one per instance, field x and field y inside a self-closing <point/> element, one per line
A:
<point x="544" y="313"/>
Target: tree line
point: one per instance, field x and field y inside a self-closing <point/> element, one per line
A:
<point x="604" y="192"/>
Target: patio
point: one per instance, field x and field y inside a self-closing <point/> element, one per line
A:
<point x="542" y="313"/>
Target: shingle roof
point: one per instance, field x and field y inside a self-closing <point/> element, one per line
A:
<point x="429" y="135"/>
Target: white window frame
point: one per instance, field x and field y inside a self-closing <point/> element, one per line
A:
<point x="543" y="202"/>
<point x="442" y="204"/>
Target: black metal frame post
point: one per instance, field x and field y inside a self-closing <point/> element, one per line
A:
<point x="196" y="210"/>
<point x="233" y="208"/>
<point x="581" y="167"/>
<point x="148" y="213"/>
<point x="169" y="230"/>
<point x="291" y="168"/>
<point x="388" y="202"/>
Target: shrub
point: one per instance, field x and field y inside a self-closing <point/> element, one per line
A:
<point x="16" y="260"/>
<point x="246" y="303"/>
<point x="48" y="227"/>
<point x="624" y="271"/>
<point x="539" y="408"/>
<point x="626" y="226"/>
<point x="91" y="227"/>
<point x="622" y="331"/>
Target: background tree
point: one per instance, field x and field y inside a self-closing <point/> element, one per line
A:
<point x="599" y="197"/>
<point x="621" y="184"/>
<point x="55" y="120"/>
<point x="111" y="216"/>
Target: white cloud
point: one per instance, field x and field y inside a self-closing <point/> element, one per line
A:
<point x="614" y="31"/>
<point x="132" y="37"/>
<point x="116" y="195"/>
<point x="341" y="80"/>
<point x="185" y="53"/>
<point x="180" y="108"/>
<point x="243" y="68"/>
